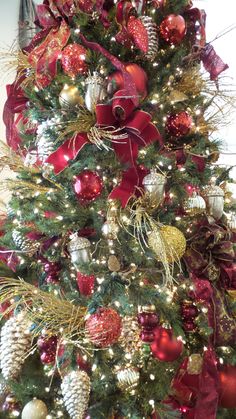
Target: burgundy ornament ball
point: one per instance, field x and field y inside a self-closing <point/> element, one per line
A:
<point x="47" y="344"/>
<point x="73" y="60"/>
<point x="104" y="327"/>
<point x="189" y="325"/>
<point x="173" y="29"/>
<point x="85" y="283"/>
<point x="178" y="124"/>
<point x="47" y="358"/>
<point x="165" y="346"/>
<point x="139" y="76"/>
<point x="189" y="311"/>
<point x="87" y="186"/>
<point x="227" y="386"/>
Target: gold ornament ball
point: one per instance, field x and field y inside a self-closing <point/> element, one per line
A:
<point x="70" y="97"/>
<point x="168" y="243"/>
<point x="35" y="409"/>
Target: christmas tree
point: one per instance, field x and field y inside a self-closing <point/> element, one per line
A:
<point x="117" y="252"/>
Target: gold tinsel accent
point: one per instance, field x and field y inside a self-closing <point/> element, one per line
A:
<point x="98" y="136"/>
<point x="17" y="60"/>
<point x="14" y="161"/>
<point x="45" y="310"/>
<point x="28" y="187"/>
<point x="84" y="123"/>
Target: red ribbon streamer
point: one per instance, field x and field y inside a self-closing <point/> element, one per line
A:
<point x="131" y="180"/>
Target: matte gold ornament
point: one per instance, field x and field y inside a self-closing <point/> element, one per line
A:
<point x="15" y="343"/>
<point x="168" y="244"/>
<point x="110" y="229"/>
<point x="214" y="197"/>
<point x="113" y="264"/>
<point x="195" y="363"/>
<point x="95" y="92"/>
<point x="154" y="185"/>
<point x="195" y="204"/>
<point x="70" y="97"/>
<point x="35" y="409"/>
<point x="79" y="248"/>
<point x="128" y="378"/>
<point x="75" y="389"/>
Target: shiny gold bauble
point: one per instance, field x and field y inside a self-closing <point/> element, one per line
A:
<point x="70" y="97"/>
<point x="168" y="243"/>
<point x="35" y="409"/>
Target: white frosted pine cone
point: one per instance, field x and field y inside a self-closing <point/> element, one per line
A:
<point x="24" y="244"/>
<point x="75" y="389"/>
<point x="15" y="343"/>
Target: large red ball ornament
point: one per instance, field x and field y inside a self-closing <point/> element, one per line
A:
<point x="73" y="60"/>
<point x="173" y="29"/>
<point x="85" y="283"/>
<point x="104" y="327"/>
<point x="179" y="124"/>
<point x="165" y="346"/>
<point x="227" y="386"/>
<point x="116" y="80"/>
<point x="87" y="185"/>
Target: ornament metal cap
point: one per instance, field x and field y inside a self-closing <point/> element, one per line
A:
<point x="78" y="243"/>
<point x="147" y="309"/>
<point x="213" y="190"/>
<point x="154" y="178"/>
<point x="94" y="78"/>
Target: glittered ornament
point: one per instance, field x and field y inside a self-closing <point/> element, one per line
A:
<point x="188" y="310"/>
<point x="70" y="97"/>
<point x="104" y="327"/>
<point x="73" y="60"/>
<point x="87" y="186"/>
<point x="85" y="283"/>
<point x="95" y="91"/>
<point x="154" y="185"/>
<point x="129" y="338"/>
<point x="110" y="229"/>
<point x="227" y="386"/>
<point x="27" y="246"/>
<point x="52" y="270"/>
<point x="169" y="244"/>
<point x="75" y="389"/>
<point x="47" y="358"/>
<point x="128" y="378"/>
<point x="35" y="409"/>
<point x="15" y="343"/>
<point x="173" y="29"/>
<point x="144" y="35"/>
<point x="165" y="346"/>
<point x="79" y="249"/>
<point x="214" y="197"/>
<point x="139" y="77"/>
<point x="195" y="205"/>
<point x="179" y="124"/>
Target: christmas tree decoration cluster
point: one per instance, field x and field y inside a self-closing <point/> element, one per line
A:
<point x="117" y="247"/>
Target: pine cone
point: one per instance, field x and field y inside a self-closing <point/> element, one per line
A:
<point x="15" y="342"/>
<point x="45" y="148"/>
<point x="151" y="29"/>
<point x="130" y="335"/>
<point x="75" y="389"/>
<point x="24" y="244"/>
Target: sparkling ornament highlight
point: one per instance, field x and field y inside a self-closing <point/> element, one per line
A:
<point x="179" y="124"/>
<point x="70" y="97"/>
<point x="165" y="346"/>
<point x="75" y="389"/>
<point x="110" y="229"/>
<point x="227" y="386"/>
<point x="87" y="185"/>
<point x="95" y="92"/>
<point x="85" y="284"/>
<point x="35" y="409"/>
<point x="73" y="60"/>
<point x="116" y="80"/>
<point x="14" y="345"/>
<point x="79" y="249"/>
<point x="173" y="29"/>
<point x="104" y="327"/>
<point x="128" y="378"/>
<point x="27" y="246"/>
<point x="195" y="205"/>
<point x="214" y="197"/>
<point x="154" y="184"/>
<point x="169" y="244"/>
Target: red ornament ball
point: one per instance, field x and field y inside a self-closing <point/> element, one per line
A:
<point x="104" y="327"/>
<point x="179" y="124"/>
<point x="73" y="60"/>
<point x="165" y="346"/>
<point x="173" y="29"/>
<point x="85" y="284"/>
<point x="227" y="386"/>
<point x="47" y="358"/>
<point x="87" y="185"/>
<point x="139" y="76"/>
